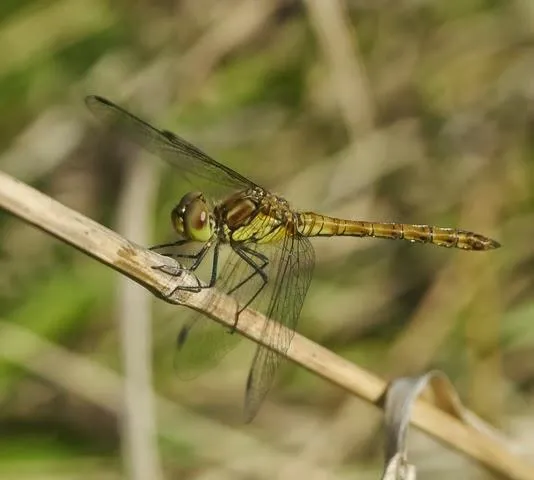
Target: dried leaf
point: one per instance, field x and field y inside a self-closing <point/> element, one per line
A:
<point x="399" y="399"/>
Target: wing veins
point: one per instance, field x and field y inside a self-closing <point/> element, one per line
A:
<point x="172" y="148"/>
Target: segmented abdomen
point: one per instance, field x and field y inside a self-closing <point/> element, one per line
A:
<point x="311" y="224"/>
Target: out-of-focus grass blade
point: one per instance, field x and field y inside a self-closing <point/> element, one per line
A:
<point x="57" y="308"/>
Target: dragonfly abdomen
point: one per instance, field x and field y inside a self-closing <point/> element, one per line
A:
<point x="314" y="225"/>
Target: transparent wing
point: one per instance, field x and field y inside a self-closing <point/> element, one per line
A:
<point x="293" y="269"/>
<point x="202" y="342"/>
<point x="288" y="267"/>
<point x="190" y="160"/>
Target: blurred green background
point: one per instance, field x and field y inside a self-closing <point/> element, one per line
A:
<point x="407" y="111"/>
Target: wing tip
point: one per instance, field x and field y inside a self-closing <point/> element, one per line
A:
<point x="96" y="102"/>
<point x="92" y="99"/>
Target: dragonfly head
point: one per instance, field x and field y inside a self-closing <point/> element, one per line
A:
<point x="192" y="218"/>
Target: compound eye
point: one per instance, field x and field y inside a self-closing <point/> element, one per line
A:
<point x="196" y="220"/>
<point x="188" y="218"/>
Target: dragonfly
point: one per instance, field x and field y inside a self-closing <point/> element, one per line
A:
<point x="270" y="258"/>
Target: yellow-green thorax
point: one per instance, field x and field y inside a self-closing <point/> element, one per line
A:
<point x="254" y="216"/>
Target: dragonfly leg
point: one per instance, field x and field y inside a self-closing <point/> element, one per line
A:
<point x="258" y="269"/>
<point x="214" y="266"/>
<point x="177" y="272"/>
<point x="166" y="269"/>
<point x="184" y="331"/>
<point x="199" y="256"/>
<point x="248" y="255"/>
<point x="178" y="243"/>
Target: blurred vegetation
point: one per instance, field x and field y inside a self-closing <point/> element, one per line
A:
<point x="449" y="143"/>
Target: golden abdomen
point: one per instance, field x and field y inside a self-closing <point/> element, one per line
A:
<point x="314" y="225"/>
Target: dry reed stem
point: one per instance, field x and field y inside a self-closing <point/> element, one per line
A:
<point x="137" y="263"/>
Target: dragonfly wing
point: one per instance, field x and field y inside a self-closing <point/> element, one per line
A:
<point x="292" y="270"/>
<point x="202" y="342"/>
<point x="190" y="160"/>
<point x="288" y="267"/>
<point x="199" y="343"/>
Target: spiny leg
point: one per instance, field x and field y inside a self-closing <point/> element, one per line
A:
<point x="258" y="269"/>
<point x="184" y="331"/>
<point x="178" y="243"/>
<point x="246" y="253"/>
<point x="198" y="257"/>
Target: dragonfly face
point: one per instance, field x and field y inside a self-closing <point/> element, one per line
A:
<point x="192" y="218"/>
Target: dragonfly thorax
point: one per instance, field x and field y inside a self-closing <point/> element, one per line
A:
<point x="192" y="218"/>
